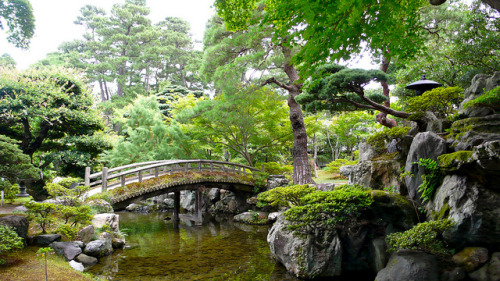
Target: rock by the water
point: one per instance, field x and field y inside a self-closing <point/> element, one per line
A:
<point x="410" y="265"/>
<point x="169" y="203"/>
<point x="306" y="257"/>
<point x="46" y="239"/>
<point x="231" y="202"/>
<point x="252" y="218"/>
<point x="18" y="223"/>
<point x="133" y="207"/>
<point x="272" y="217"/>
<point x="86" y="260"/>
<point x="424" y="145"/>
<point x="86" y="234"/>
<point x="214" y="195"/>
<point x="100" y="206"/>
<point x="471" y="258"/>
<point x="100" y="220"/>
<point x="100" y="248"/>
<point x="76" y="265"/>
<point x="118" y="243"/>
<point x="66" y="249"/>
<point x="276" y="180"/>
<point x="455" y="274"/>
<point x="252" y="200"/>
<point x="474" y="209"/>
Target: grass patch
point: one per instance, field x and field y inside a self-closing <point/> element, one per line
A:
<point x="27" y="265"/>
<point x="327" y="177"/>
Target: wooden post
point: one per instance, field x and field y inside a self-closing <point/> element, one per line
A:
<point x="211" y="167"/>
<point x="198" y="199"/>
<point x="87" y="176"/>
<point x="122" y="180"/>
<point x="2" y="197"/>
<point x="187" y="166"/>
<point x="199" y="168"/>
<point x="104" y="184"/>
<point x="157" y="172"/>
<point x="140" y="176"/>
<point x="177" y="206"/>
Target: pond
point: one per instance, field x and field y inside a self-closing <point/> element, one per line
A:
<point x="219" y="249"/>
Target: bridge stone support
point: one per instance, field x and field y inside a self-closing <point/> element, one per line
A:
<point x="177" y="206"/>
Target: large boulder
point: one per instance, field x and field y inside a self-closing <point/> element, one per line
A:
<point x="112" y="220"/>
<point x="252" y="218"/>
<point x="86" y="233"/>
<point x="46" y="239"/>
<point x="473" y="207"/>
<point x="481" y="83"/>
<point x="471" y="258"/>
<point x="474" y="131"/>
<point x="426" y="145"/>
<point x="358" y="246"/>
<point x="276" y="180"/>
<point x="489" y="272"/>
<point x="318" y="255"/>
<point x="410" y="265"/>
<point x="366" y="152"/>
<point x="67" y="249"/>
<point x="18" y="223"/>
<point x="100" y="248"/>
<point x="86" y="260"/>
<point x="377" y="174"/>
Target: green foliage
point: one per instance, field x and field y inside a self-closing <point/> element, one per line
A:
<point x="249" y="122"/>
<point x="68" y="196"/>
<point x="67" y="231"/>
<point x="41" y="213"/>
<point x="489" y="99"/>
<point x="10" y="190"/>
<point x="54" y="107"/>
<point x="15" y="166"/>
<point x="274" y="168"/>
<point x="328" y="209"/>
<point x="453" y="160"/>
<point x="286" y="196"/>
<point x="19" y="18"/>
<point x="441" y="101"/>
<point x="380" y="139"/>
<point x="431" y="179"/>
<point x="7" y="61"/>
<point x="452" y="54"/>
<point x="9" y="240"/>
<point x="334" y="166"/>
<point x="106" y="196"/>
<point x="331" y="30"/>
<point x="338" y="88"/>
<point x="426" y="236"/>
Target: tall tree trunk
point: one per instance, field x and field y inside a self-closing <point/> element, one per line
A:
<point x="382" y="116"/>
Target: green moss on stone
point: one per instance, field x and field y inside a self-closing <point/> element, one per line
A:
<point x="443" y="213"/>
<point x="453" y="161"/>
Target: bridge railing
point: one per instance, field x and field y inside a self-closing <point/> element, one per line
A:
<point x="140" y="171"/>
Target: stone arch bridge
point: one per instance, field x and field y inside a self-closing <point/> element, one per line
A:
<point x="121" y="176"/>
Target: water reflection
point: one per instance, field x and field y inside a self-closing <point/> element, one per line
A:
<point x="218" y="250"/>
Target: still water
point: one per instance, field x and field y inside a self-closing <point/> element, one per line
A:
<point x="219" y="249"/>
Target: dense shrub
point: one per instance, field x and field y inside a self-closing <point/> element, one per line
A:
<point x="9" y="240"/>
<point x="286" y="196"/>
<point x="426" y="236"/>
<point x="328" y="209"/>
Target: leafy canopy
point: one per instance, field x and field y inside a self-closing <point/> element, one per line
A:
<point x="18" y="16"/>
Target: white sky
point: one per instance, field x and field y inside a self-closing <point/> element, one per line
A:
<point x="54" y="23"/>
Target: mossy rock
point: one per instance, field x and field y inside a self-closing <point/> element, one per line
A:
<point x="454" y="161"/>
<point x="392" y="208"/>
<point x="470" y="132"/>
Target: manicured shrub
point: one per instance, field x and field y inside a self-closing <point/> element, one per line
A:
<point x="379" y="140"/>
<point x="489" y="99"/>
<point x="334" y="166"/>
<point x="286" y="196"/>
<point x="443" y="102"/>
<point x="9" y="240"/>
